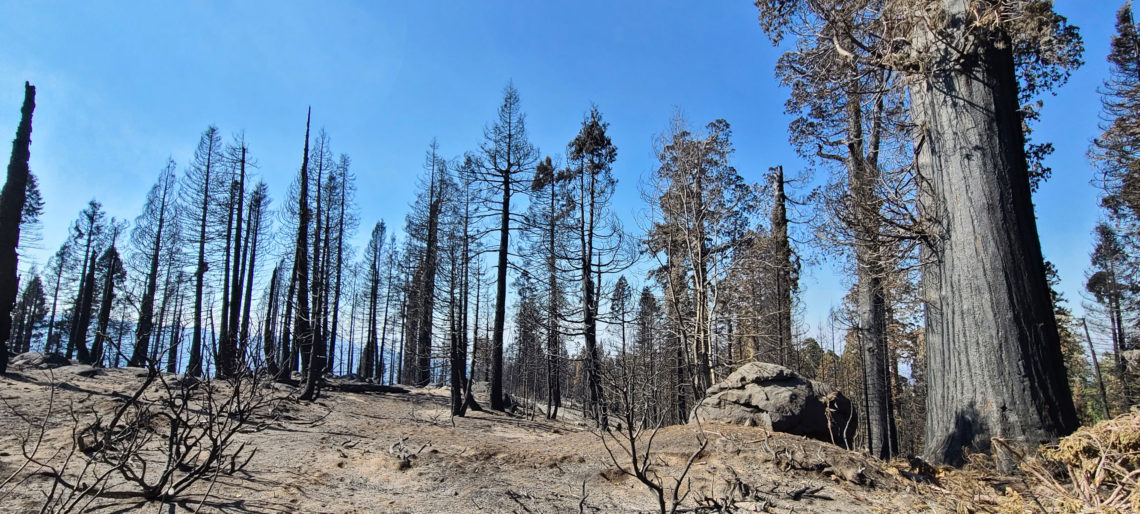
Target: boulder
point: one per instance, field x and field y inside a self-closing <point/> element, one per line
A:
<point x="82" y="370"/>
<point x="481" y="387"/>
<point x="37" y="360"/>
<point x="776" y="398"/>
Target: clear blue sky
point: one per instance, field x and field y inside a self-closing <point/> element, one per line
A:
<point x="123" y="85"/>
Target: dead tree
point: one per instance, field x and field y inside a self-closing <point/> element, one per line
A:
<point x="12" y="199"/>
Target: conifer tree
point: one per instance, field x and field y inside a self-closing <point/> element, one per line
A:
<point x="12" y="199"/>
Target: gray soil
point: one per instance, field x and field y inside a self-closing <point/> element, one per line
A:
<point x="403" y="452"/>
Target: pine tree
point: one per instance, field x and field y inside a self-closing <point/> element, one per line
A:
<point x="508" y="159"/>
<point x="88" y="229"/>
<point x="148" y="238"/>
<point x="112" y="274"/>
<point x="198" y="206"/>
<point x="1114" y="152"/>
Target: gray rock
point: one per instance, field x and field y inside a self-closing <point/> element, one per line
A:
<point x="82" y="370"/>
<point x="776" y="398"/>
<point x="37" y="360"/>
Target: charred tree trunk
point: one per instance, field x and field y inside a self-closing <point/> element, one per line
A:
<point x="992" y="341"/>
<point x="302" y="323"/>
<point x="105" y="305"/>
<point x="12" y="199"/>
<point x="316" y="289"/>
<point x="595" y="398"/>
<point x="223" y="350"/>
<point x="145" y="323"/>
<point x="269" y="334"/>
<point x="288" y="360"/>
<point x="871" y="303"/>
<point x="228" y="352"/>
<point x="194" y="366"/>
<point x="81" y="320"/>
<point x="497" y="402"/>
<point x="427" y="297"/>
<point x="783" y="270"/>
<point x="253" y="227"/>
<point x="175" y="333"/>
<point x="339" y="269"/>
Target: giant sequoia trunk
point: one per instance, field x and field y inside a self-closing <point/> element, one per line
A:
<point x="992" y="343"/>
<point x="11" y="211"/>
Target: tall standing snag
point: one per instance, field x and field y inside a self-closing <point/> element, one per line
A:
<point x="508" y="156"/>
<point x="302" y="323"/>
<point x="11" y="208"/>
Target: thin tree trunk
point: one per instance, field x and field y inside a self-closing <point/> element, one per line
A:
<point x="194" y="367"/>
<point x="230" y="357"/>
<point x="304" y="336"/>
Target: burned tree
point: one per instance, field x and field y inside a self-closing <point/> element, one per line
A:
<point x="12" y="199"/>
<point x="197" y="207"/>
<point x="148" y="238"/>
<point x="508" y="158"/>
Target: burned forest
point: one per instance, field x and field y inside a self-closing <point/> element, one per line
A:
<point x="863" y="256"/>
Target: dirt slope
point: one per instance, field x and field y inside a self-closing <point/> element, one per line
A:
<point x="342" y="454"/>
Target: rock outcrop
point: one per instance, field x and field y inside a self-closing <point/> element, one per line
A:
<point x="37" y="360"/>
<point x="776" y="398"/>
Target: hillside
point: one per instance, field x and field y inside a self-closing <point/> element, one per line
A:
<point x="402" y="452"/>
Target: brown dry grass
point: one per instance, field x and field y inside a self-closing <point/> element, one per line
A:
<point x="1095" y="470"/>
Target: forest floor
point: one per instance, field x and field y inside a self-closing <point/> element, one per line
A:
<point x="403" y="452"/>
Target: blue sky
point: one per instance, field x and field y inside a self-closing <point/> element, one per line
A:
<point x="123" y="85"/>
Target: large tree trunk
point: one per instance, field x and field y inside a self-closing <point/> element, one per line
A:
<point x="11" y="211"/>
<point x="497" y="402"/>
<point x="223" y="352"/>
<point x="992" y="343"/>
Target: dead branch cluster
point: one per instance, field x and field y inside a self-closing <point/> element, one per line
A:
<point x="167" y="436"/>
